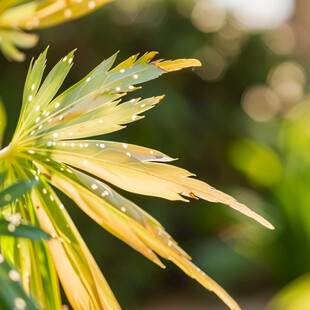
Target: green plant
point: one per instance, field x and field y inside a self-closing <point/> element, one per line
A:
<point x="12" y="294"/>
<point x="286" y="183"/>
<point x="47" y="144"/>
<point x="19" y="15"/>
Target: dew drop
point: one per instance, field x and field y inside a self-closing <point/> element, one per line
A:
<point x="14" y="275"/>
<point x="11" y="227"/>
<point x="68" y="14"/>
<point x="91" y="5"/>
<point x="19" y="303"/>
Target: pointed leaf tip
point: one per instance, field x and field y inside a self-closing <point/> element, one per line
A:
<point x="159" y="99"/>
<point x="175" y="65"/>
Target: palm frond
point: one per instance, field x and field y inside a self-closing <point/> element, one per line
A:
<point x="48" y="145"/>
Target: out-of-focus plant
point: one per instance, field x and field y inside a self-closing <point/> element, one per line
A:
<point x="12" y="293"/>
<point x="19" y="15"/>
<point x="294" y="296"/>
<point x="47" y="144"/>
<point x="294" y="195"/>
<point x="285" y="173"/>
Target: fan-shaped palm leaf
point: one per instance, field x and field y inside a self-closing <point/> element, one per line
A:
<point x="47" y="144"/>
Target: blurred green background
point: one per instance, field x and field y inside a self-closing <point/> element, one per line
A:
<point x="240" y="122"/>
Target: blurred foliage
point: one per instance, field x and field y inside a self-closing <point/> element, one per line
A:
<point x="293" y="296"/>
<point x="19" y="15"/>
<point x="287" y="255"/>
<point x="258" y="161"/>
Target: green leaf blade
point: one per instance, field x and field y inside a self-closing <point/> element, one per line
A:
<point x="16" y="191"/>
<point x="12" y="293"/>
<point x="21" y="230"/>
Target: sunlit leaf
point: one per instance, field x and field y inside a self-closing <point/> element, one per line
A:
<point x="11" y="39"/>
<point x="47" y="145"/>
<point x="79" y="274"/>
<point x="47" y="13"/>
<point x="179" y="64"/>
<point x="129" y="223"/>
<point x="14" y="230"/>
<point x="137" y="176"/>
<point x="19" y="15"/>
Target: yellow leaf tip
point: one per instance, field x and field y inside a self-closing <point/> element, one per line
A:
<point x="270" y="226"/>
<point x="195" y="62"/>
<point x="174" y="65"/>
<point x="263" y="222"/>
<point x="159" y="98"/>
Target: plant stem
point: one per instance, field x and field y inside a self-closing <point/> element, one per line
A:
<point x="7" y="152"/>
